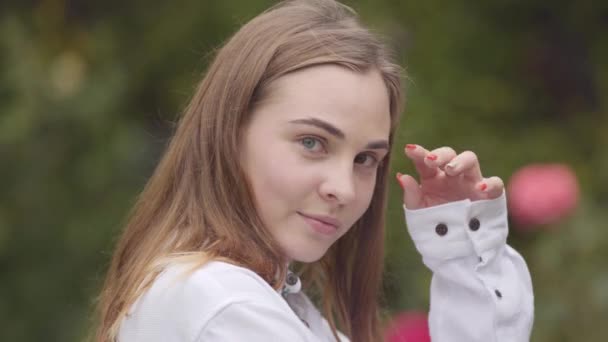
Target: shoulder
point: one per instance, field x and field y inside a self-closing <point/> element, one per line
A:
<point x="182" y="302"/>
<point x="211" y="283"/>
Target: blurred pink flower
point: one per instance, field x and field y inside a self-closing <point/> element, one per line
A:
<point x="541" y="194"/>
<point x="408" y="327"/>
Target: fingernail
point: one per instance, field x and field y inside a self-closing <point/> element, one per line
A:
<point x="399" y="174"/>
<point x="431" y="156"/>
<point x="483" y="186"/>
<point x="450" y="166"/>
<point x="410" y="146"/>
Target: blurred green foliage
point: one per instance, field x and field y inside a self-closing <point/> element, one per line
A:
<point x="89" y="92"/>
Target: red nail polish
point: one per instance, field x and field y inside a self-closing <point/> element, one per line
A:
<point x="483" y="186"/>
<point x="410" y="146"/>
<point x="431" y="157"/>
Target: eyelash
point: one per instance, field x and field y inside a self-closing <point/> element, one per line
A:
<point x="371" y="156"/>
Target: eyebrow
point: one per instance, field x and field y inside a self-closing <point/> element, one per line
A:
<point x="335" y="131"/>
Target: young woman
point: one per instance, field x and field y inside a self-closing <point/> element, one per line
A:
<point x="282" y="158"/>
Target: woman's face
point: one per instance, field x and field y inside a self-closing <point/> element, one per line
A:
<point x="311" y="152"/>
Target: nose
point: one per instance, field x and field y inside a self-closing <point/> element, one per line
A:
<point x="338" y="186"/>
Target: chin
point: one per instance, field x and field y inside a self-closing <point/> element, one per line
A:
<point x="308" y="256"/>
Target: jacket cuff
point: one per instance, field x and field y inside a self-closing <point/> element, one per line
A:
<point x="459" y="229"/>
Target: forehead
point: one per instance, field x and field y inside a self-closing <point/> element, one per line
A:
<point x="355" y="102"/>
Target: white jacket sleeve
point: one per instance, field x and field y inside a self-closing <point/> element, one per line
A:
<point x="481" y="288"/>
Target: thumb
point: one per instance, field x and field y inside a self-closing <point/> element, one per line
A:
<point x="412" y="195"/>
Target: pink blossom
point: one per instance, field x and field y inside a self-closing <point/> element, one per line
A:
<point x="408" y="327"/>
<point x="541" y="194"/>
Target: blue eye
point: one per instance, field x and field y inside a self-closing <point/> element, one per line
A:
<point x="312" y="144"/>
<point x="309" y="143"/>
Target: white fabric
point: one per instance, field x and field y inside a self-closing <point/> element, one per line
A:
<point x="223" y="302"/>
<point x="481" y="288"/>
<point x="220" y="302"/>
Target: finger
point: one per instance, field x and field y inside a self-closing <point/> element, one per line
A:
<point x="417" y="154"/>
<point x="439" y="157"/>
<point x="412" y="195"/>
<point x="492" y="187"/>
<point x="467" y="164"/>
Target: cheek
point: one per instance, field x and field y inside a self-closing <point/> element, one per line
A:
<point x="366" y="192"/>
<point x="280" y="183"/>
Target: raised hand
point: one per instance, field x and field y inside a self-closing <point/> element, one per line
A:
<point x="445" y="177"/>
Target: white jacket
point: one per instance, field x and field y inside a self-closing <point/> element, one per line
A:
<point x="480" y="291"/>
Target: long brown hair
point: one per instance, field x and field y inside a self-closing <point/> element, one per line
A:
<point x="198" y="204"/>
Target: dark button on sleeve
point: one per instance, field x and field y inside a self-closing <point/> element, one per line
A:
<point x="474" y="224"/>
<point x="441" y="229"/>
<point x="498" y="294"/>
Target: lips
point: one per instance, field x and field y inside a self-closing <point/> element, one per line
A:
<point x="326" y="225"/>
